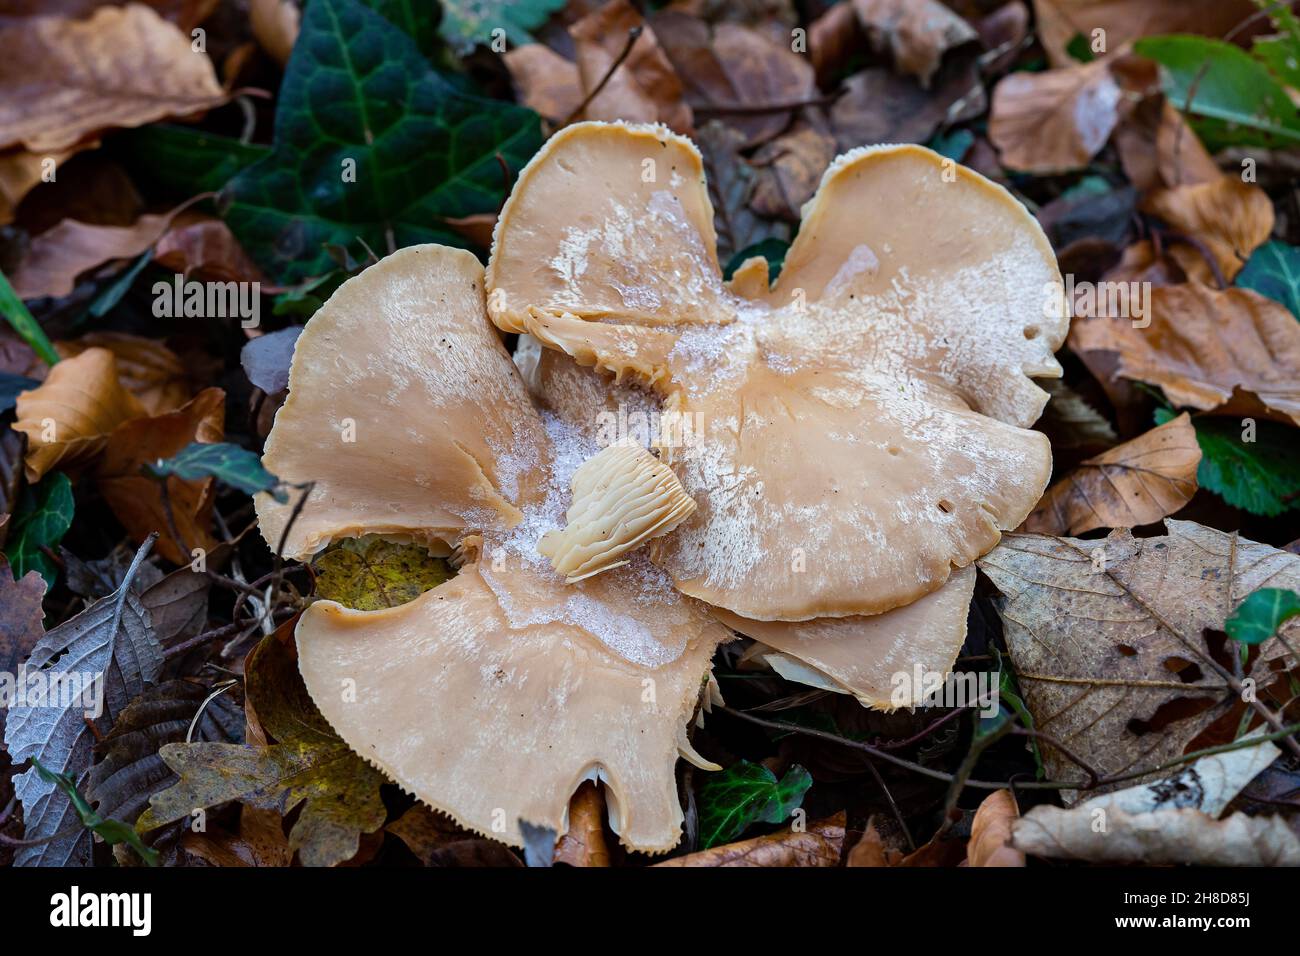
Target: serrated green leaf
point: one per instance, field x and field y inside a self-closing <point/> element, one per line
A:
<point x="1274" y="270"/>
<point x="469" y="23"/>
<point x="745" y="794"/>
<point x="1235" y="100"/>
<point x="182" y="161"/>
<point x="43" y="517"/>
<point x="109" y="830"/>
<point x="237" y="467"/>
<point x="1262" y="477"/>
<point x="369" y="573"/>
<point x="358" y="97"/>
<point x="1259" y="616"/>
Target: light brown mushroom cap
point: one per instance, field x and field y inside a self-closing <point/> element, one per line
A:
<point x="404" y="410"/>
<point x="863" y="421"/>
<point x="503" y="688"/>
<point x="862" y="655"/>
<point x="492" y="724"/>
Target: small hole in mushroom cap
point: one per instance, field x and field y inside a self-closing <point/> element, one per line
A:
<point x="1031" y="331"/>
<point x="945" y="506"/>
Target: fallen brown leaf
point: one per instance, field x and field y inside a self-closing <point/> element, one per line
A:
<point x="1108" y="637"/>
<point x="20" y="172"/>
<point x="1172" y="820"/>
<point x="880" y="106"/>
<point x="732" y="65"/>
<point x="644" y="88"/>
<point x="1230" y="217"/>
<point x="20" y="619"/>
<point x="260" y="841"/>
<point x="833" y="39"/>
<point x="68" y="418"/>
<point x="1136" y="483"/>
<point x="437" y="841"/>
<point x="57" y="257"/>
<point x="137" y="499"/>
<point x="789" y="170"/>
<point x="1158" y="149"/>
<point x="63" y="80"/>
<point x="146" y="367"/>
<point x="917" y="33"/>
<point x="1202" y="344"/>
<point x="818" y="845"/>
<point x="203" y="247"/>
<point x="584" y="843"/>
<point x="544" y="81"/>
<point x="872" y="851"/>
<point x="990" y="832"/>
<point x="1056" y="120"/>
<point x="1058" y="21"/>
<point x="186" y="14"/>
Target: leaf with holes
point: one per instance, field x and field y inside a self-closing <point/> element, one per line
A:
<point x="1112" y="638"/>
<point x="373" y="148"/>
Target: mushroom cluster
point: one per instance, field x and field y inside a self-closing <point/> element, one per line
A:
<point x="860" y="436"/>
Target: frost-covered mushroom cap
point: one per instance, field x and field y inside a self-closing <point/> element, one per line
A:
<point x="862" y="425"/>
<point x="492" y="696"/>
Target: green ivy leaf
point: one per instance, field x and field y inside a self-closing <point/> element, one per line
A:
<point x="1274" y="270"/>
<point x="237" y="467"/>
<point x="182" y="161"/>
<point x="1235" y="100"/>
<point x="1262" y="477"/>
<point x="468" y="23"/>
<point x="111" y="831"/>
<point x="369" y="573"/>
<point x="357" y="92"/>
<point x="744" y="794"/>
<point x="1259" y="616"/>
<point x="43" y="517"/>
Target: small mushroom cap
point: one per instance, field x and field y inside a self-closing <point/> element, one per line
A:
<point x="863" y="421"/>
<point x="862" y="655"/>
<point x="622" y="497"/>
<point x="405" y="410"/>
<point x="640" y="244"/>
<point x="491" y="723"/>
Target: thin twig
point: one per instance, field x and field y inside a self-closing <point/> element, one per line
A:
<point x="633" y="35"/>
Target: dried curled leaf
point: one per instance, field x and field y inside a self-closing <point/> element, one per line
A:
<point x="990" y="832"/>
<point x="1200" y="344"/>
<point x="1230" y="217"/>
<point x="1132" y="484"/>
<point x="1056" y="120"/>
<point x="69" y="417"/>
<point x="125" y="66"/>
<point x="622" y="497"/>
<point x="146" y="367"/>
<point x="819" y="845"/>
<point x="1108" y="636"/>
